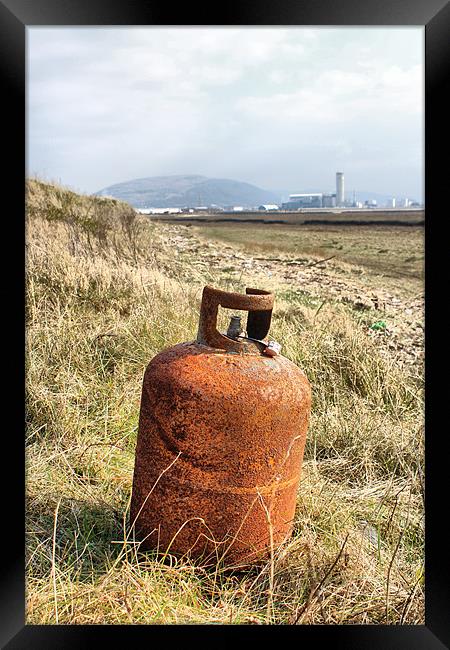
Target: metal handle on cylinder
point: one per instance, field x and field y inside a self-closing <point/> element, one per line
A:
<point x="257" y="302"/>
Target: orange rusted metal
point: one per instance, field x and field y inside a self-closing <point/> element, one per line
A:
<point x="221" y="439"/>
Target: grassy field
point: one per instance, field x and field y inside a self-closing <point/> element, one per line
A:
<point x="106" y="291"/>
<point x="295" y="218"/>
<point x="393" y="251"/>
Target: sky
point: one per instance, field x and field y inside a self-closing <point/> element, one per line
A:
<point x="283" y="108"/>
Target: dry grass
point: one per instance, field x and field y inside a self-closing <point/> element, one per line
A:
<point x="101" y="301"/>
<point x="390" y="251"/>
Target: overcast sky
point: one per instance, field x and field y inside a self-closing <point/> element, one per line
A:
<point x="283" y="108"/>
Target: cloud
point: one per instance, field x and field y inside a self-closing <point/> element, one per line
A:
<point x="336" y="95"/>
<point x="110" y="104"/>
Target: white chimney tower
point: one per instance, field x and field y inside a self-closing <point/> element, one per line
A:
<point x="339" y="188"/>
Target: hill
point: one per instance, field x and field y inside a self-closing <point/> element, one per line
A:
<point x="188" y="191"/>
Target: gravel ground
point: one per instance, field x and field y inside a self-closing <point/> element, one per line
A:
<point x="320" y="280"/>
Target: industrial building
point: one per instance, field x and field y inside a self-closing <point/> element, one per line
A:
<point x="269" y="206"/>
<point x="318" y="199"/>
<point x="159" y="210"/>
<point x="329" y="200"/>
<point x="296" y="201"/>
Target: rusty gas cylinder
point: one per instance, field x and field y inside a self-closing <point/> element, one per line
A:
<point x="222" y="431"/>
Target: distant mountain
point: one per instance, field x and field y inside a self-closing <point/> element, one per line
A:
<point x="188" y="191"/>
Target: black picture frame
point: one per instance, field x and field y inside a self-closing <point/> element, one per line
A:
<point x="434" y="15"/>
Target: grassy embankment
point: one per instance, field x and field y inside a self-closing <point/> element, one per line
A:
<point x="105" y="294"/>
